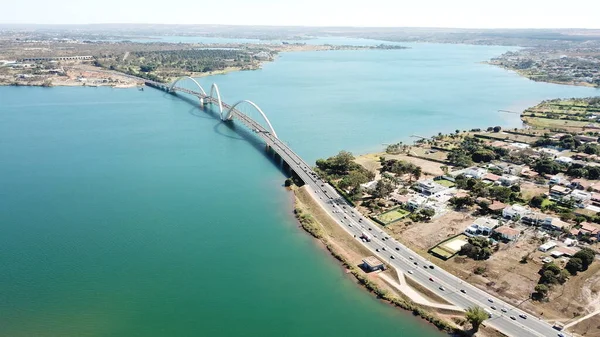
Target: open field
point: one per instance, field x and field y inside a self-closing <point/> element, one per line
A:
<point x="588" y="328"/>
<point x="371" y="162"/>
<point x="444" y="182"/>
<point x="447" y="249"/>
<point x="393" y="215"/>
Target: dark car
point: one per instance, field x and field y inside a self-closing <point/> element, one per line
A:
<point x="431" y="267"/>
<point x="463" y="291"/>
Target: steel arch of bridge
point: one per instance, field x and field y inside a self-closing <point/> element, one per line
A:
<point x="229" y="114"/>
<point x="215" y="89"/>
<point x="189" y="78"/>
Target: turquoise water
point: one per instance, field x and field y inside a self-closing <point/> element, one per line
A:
<point x="130" y="213"/>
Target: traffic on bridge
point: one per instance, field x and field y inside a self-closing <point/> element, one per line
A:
<point x="504" y="317"/>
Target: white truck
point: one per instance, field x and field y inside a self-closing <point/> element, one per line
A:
<point x="365" y="237"/>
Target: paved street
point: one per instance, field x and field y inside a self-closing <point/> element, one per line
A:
<point x="437" y="280"/>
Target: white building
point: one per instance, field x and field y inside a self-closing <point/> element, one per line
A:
<point x="416" y="202"/>
<point x="514" y="211"/>
<point x="547" y="246"/>
<point x="481" y="227"/>
<point x="369" y="187"/>
<point x="564" y="160"/>
<point x="475" y="172"/>
<point x="581" y="198"/>
<point x="428" y="187"/>
<point x="509" y="180"/>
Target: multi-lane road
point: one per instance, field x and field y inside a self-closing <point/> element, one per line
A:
<point x="504" y="317"/>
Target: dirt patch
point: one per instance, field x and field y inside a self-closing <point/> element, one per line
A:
<point x="589" y="328"/>
<point x="426" y="235"/>
<point x="371" y="162"/>
<point x="503" y="274"/>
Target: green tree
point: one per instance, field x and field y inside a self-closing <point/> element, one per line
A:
<point x="483" y="155"/>
<point x="593" y="172"/>
<point x="461" y="202"/>
<point x="460" y="158"/>
<point x="542" y="290"/>
<point x="574" y="265"/>
<point x="476" y="315"/>
<point x="546" y="166"/>
<point x="497" y="129"/>
<point x="383" y="189"/>
<point x="587" y="257"/>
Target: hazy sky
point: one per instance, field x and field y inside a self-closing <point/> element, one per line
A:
<point x="374" y="13"/>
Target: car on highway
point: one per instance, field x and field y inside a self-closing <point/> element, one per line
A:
<point x="349" y="225"/>
<point x="382" y="248"/>
<point x="392" y="257"/>
<point x="490" y="300"/>
<point x="424" y="266"/>
<point x="504" y="310"/>
<point x="410" y="272"/>
<point x="397" y="248"/>
<point x="513" y="318"/>
<point x="431" y="266"/>
<point x="463" y="291"/>
<point x="442" y="288"/>
<point x="523" y="316"/>
<point x="412" y="258"/>
<point x="560" y="334"/>
<point x="430" y="279"/>
<point x="416" y="264"/>
<point x="370" y="228"/>
<point x="493" y="307"/>
<point x="376" y="249"/>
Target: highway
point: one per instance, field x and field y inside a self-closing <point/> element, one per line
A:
<point x="505" y="318"/>
<point x="404" y="259"/>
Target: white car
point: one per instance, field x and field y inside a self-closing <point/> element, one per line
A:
<point x="410" y="272"/>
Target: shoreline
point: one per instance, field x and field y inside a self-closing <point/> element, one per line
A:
<point x="334" y="239"/>
<point x="522" y="74"/>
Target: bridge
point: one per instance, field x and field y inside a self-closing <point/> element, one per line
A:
<point x="228" y="113"/>
<point x="508" y="319"/>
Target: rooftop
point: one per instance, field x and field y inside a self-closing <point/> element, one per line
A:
<point x="507" y="231"/>
<point x="372" y="261"/>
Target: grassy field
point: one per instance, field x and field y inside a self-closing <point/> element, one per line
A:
<point x="393" y="215"/>
<point x="444" y="182"/>
<point x="571" y="115"/>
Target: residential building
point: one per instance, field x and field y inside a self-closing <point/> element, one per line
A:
<point x="515" y="211"/>
<point x="490" y="177"/>
<point x="475" y="172"/>
<point x="509" y="180"/>
<point x="533" y="218"/>
<point x="481" y="227"/>
<point x="369" y="187"/>
<point x="581" y="198"/>
<point x="589" y="229"/>
<point x="428" y="187"/>
<point x="564" y="160"/>
<point x="547" y="246"/>
<point x="580" y="184"/>
<point x="554" y="224"/>
<point x="416" y="202"/>
<point x="558" y="192"/>
<point x="555" y="180"/>
<point x="585" y="139"/>
<point x="507" y="233"/>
